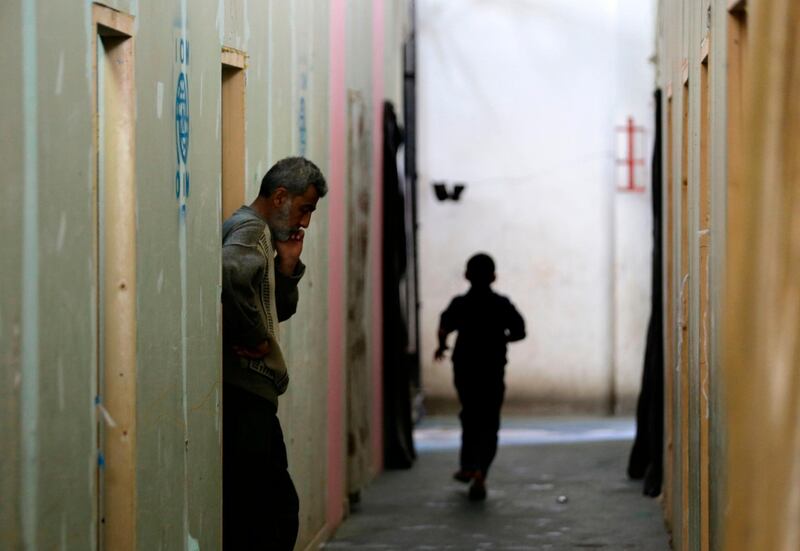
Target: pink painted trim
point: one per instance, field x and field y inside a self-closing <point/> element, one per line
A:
<point x="336" y="267"/>
<point x="377" y="244"/>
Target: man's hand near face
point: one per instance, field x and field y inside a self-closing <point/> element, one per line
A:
<point x="289" y="252"/>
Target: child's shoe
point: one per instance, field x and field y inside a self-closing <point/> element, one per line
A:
<point x="477" y="490"/>
<point x="463" y="475"/>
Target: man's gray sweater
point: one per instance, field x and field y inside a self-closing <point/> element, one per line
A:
<point x="255" y="297"/>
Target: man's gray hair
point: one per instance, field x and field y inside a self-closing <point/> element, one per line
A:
<point x="295" y="174"/>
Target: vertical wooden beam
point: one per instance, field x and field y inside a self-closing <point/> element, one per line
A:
<point x="717" y="145"/>
<point x="735" y="253"/>
<point x="683" y="331"/>
<point x="737" y="59"/>
<point x="669" y="279"/>
<point x="115" y="190"/>
<point x="704" y="238"/>
<point x="233" y="130"/>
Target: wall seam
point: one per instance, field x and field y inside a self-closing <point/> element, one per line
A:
<point x="29" y="416"/>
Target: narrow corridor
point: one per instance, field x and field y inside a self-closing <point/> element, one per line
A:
<point x="556" y="484"/>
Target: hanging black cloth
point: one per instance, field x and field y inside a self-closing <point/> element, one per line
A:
<point x="646" y="459"/>
<point x="397" y="425"/>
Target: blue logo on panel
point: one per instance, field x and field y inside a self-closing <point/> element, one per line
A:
<point x="182" y="127"/>
<point x="182" y="118"/>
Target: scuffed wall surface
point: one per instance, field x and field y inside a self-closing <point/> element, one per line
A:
<point x="179" y="374"/>
<point x="66" y="420"/>
<point x="359" y="244"/>
<point x="525" y="116"/>
<point x="51" y="364"/>
<point x="178" y="439"/>
<point x="298" y="124"/>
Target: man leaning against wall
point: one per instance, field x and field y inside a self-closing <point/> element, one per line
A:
<point x="261" y="268"/>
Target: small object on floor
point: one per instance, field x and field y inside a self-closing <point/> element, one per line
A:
<point x="477" y="490"/>
<point x="562" y="499"/>
<point x="463" y="475"/>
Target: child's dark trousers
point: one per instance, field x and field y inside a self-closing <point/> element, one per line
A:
<point x="481" y="400"/>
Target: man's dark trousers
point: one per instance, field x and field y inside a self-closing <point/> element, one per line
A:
<point x="481" y="398"/>
<point x="260" y="504"/>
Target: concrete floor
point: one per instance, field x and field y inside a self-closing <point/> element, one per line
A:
<point x="540" y="460"/>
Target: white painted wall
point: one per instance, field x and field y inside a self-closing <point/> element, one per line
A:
<point x="520" y="100"/>
<point x="633" y="221"/>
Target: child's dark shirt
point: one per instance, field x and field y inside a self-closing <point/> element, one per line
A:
<point x="486" y="322"/>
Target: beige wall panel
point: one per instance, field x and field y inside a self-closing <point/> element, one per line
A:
<point x="298" y="124"/>
<point x="203" y="372"/>
<point x="160" y="457"/>
<point x="234" y="29"/>
<point x="178" y="362"/>
<point x="396" y="26"/>
<point x="179" y="372"/>
<point x="124" y="6"/>
<point x="359" y="178"/>
<point x="65" y="431"/>
<point x="11" y="223"/>
<point x="258" y="82"/>
<point x="281" y="29"/>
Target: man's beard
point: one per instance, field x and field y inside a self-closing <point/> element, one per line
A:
<point x="279" y="224"/>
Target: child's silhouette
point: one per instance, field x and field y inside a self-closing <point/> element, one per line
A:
<point x="485" y="322"/>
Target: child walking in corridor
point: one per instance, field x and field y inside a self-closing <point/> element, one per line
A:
<point x="485" y="322"/>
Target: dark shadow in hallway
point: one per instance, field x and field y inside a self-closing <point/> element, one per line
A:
<point x="557" y="484"/>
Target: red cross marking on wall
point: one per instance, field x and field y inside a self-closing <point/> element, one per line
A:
<point x="631" y="162"/>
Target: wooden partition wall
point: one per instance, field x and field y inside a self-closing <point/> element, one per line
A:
<point x="732" y="266"/>
<point x="762" y="338"/>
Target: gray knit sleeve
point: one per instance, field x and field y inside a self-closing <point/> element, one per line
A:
<point x="242" y="273"/>
<point x="286" y="293"/>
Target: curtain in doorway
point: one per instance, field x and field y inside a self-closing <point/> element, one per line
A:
<point x="397" y="370"/>
<point x="646" y="459"/>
